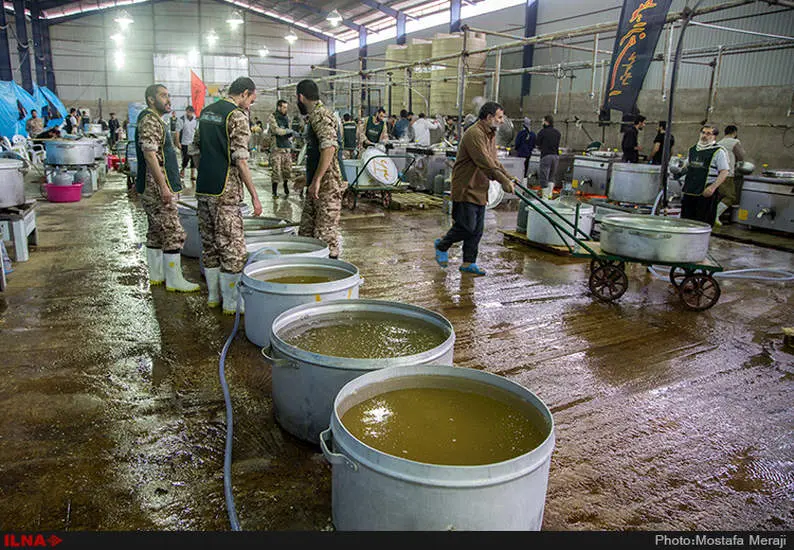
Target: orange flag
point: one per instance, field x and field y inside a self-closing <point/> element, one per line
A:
<point x="197" y="92"/>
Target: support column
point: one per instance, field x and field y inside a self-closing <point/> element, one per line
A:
<point x="454" y="15"/>
<point x="22" y="45"/>
<point x="362" y="63"/>
<point x="401" y="28"/>
<point x="530" y="27"/>
<point x="38" y="51"/>
<point x="332" y="58"/>
<point x="5" y="52"/>
<point x="47" y="48"/>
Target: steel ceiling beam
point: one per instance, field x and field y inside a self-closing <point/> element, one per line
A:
<point x="400" y="16"/>
<point x="346" y="22"/>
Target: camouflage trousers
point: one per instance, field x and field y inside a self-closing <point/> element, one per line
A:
<point x="320" y="217"/>
<point x="165" y="231"/>
<point x="280" y="168"/>
<point x="221" y="228"/>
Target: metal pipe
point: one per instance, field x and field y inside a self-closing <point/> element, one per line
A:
<point x="741" y="31"/>
<point x="573" y="33"/>
<point x="462" y="84"/>
<point x="389" y="89"/>
<point x="603" y="85"/>
<point x="595" y="63"/>
<point x="321" y="68"/>
<point x="557" y="88"/>
<point x="668" y="55"/>
<point x="497" y="76"/>
<point x="718" y="70"/>
<point x="711" y="89"/>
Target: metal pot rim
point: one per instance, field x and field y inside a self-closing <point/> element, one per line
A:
<point x="295" y="260"/>
<point x="639" y="222"/>
<point x="298" y="314"/>
<point x="441" y="474"/>
<point x="10" y="164"/>
<point x="637" y="168"/>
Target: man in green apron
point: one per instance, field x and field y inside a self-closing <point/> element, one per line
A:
<point x="372" y="130"/>
<point x="707" y="167"/>
<point x="158" y="183"/>
<point x="223" y="170"/>
<point x="323" y="204"/>
<point x="349" y="133"/>
<point x="281" y="148"/>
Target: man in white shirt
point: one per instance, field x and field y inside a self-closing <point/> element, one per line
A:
<point x="422" y="127"/>
<point x="186" y="133"/>
<point x="731" y="188"/>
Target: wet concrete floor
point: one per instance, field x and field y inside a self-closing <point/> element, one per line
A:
<point x="113" y="415"/>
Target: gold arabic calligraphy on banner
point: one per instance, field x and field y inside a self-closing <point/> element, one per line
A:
<point x="624" y="63"/>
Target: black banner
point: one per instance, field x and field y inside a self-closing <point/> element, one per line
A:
<point x="640" y="25"/>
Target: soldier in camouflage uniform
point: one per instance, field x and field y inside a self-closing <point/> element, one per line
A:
<point x="281" y="148"/>
<point x="323" y="204"/>
<point x="223" y="170"/>
<point x="158" y="183"/>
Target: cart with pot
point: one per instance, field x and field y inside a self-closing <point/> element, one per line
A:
<point x="374" y="175"/>
<point x="681" y="245"/>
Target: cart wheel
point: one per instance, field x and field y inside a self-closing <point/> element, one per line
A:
<point x="699" y="291"/>
<point x="386" y="198"/>
<point x="678" y="274"/>
<point x="608" y="283"/>
<point x="596" y="263"/>
<point x="349" y="199"/>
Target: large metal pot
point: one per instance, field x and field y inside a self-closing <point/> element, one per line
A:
<point x="375" y="491"/>
<point x="99" y="149"/>
<point x="305" y="384"/>
<point x="265" y="300"/>
<point x="188" y="217"/>
<point x="12" y="185"/>
<point x="655" y="238"/>
<point x="635" y="183"/>
<point x="540" y="230"/>
<point x="70" y="152"/>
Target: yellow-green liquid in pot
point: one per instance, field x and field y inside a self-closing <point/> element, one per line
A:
<point x="446" y="426"/>
<point x="367" y="336"/>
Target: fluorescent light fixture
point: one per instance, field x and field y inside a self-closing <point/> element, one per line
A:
<point x="124" y="19"/>
<point x="291" y="37"/>
<point x="212" y="37"/>
<point x="118" y="59"/>
<point x="264" y="52"/>
<point x="117" y="38"/>
<point x="235" y="19"/>
<point x="193" y="57"/>
<point x="334" y="18"/>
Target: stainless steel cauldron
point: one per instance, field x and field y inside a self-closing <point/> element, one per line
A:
<point x="12" y="185"/>
<point x="635" y="183"/>
<point x="65" y="152"/>
<point x="655" y="238"/>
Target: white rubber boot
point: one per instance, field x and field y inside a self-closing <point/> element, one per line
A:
<point x="212" y="275"/>
<point x="721" y="208"/>
<point x="548" y="192"/>
<point x="154" y="258"/>
<point x="174" y="281"/>
<point x="230" y="292"/>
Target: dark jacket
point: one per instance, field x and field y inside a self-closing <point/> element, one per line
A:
<point x="549" y="141"/>
<point x="629" y="144"/>
<point x="525" y="142"/>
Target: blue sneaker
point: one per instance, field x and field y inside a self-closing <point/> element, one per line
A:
<point x="473" y="269"/>
<point x="441" y="257"/>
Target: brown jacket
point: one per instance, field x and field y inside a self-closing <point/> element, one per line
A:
<point x="476" y="165"/>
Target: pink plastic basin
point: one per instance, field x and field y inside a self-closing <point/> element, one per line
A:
<point x="64" y="193"/>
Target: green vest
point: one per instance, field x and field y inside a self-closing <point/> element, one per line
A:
<point x="166" y="149"/>
<point x="698" y="170"/>
<point x="282" y="142"/>
<point x="349" y="131"/>
<point x="216" y="155"/>
<point x="374" y="130"/>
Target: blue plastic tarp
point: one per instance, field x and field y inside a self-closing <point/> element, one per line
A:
<point x="15" y="107"/>
<point x="49" y="107"/>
